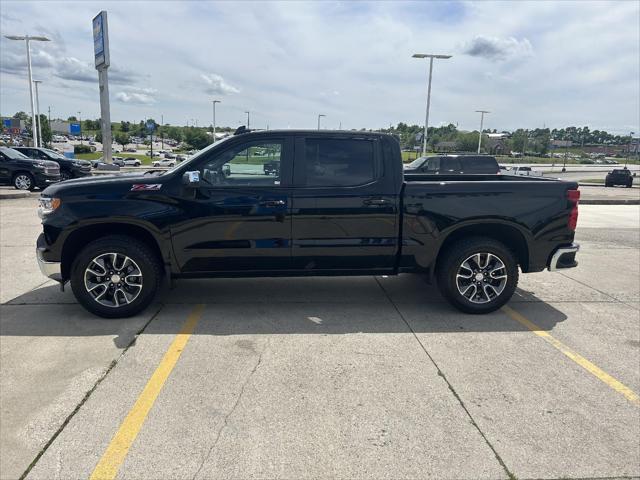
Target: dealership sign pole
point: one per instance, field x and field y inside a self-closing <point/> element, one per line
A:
<point x="101" y="52"/>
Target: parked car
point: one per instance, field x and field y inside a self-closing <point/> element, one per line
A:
<point x="69" y="167"/>
<point x="100" y="164"/>
<point x="345" y="209"/>
<point x="132" y="162"/>
<point x="180" y="158"/>
<point x="272" y="168"/>
<point x="619" y="177"/>
<point x="454" y="164"/>
<point x="25" y="173"/>
<point x="169" y="155"/>
<point x="525" y="171"/>
<point x="130" y="150"/>
<point x="163" y="163"/>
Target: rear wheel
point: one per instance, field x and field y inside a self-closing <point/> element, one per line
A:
<point x="24" y="181"/>
<point x="116" y="276"/>
<point x="477" y="275"/>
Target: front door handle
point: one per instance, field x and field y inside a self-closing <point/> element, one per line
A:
<point x="376" y="202"/>
<point x="273" y="203"/>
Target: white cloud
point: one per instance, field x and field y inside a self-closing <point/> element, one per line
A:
<point x="494" y="48"/>
<point x="140" y="96"/>
<point x="216" y="85"/>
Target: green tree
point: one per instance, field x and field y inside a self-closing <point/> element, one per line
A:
<point x="21" y="116"/>
<point x="197" y="138"/>
<point x="45" y="129"/>
<point x="467" y="141"/>
<point x="125" y="126"/>
<point x="72" y="118"/>
<point x="123" y="139"/>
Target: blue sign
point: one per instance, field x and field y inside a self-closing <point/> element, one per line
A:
<point x="74" y="128"/>
<point x="6" y="123"/>
<point x="101" y="40"/>
<point x="151" y="126"/>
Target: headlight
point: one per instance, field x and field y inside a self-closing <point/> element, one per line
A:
<point x="40" y="165"/>
<point x="47" y="205"/>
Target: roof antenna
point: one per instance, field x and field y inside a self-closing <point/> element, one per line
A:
<point x="240" y="130"/>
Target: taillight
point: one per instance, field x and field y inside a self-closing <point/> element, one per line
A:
<point x="573" y="196"/>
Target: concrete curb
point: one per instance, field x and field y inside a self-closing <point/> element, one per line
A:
<point x="12" y="195"/>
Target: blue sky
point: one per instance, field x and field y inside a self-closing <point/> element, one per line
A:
<point x="529" y="63"/>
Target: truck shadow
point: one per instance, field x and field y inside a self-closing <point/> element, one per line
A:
<point x="316" y="305"/>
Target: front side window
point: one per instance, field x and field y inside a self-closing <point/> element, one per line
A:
<point x="254" y="164"/>
<point x="433" y="165"/>
<point x="339" y="162"/>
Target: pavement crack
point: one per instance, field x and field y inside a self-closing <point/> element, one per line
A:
<point x="453" y="391"/>
<point x="86" y="396"/>
<point x="228" y="415"/>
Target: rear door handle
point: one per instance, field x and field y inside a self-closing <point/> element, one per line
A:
<point x="273" y="203"/>
<point x="376" y="202"/>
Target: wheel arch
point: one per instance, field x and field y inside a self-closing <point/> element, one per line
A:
<point x="86" y="234"/>
<point x="508" y="234"/>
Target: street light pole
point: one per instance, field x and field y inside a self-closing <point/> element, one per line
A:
<point x="629" y="149"/>
<point x="481" y="112"/>
<point x="426" y="121"/>
<point x="38" y="119"/>
<point x="27" y="39"/>
<point x="319" y="116"/>
<point x="248" y="119"/>
<point x="213" y="102"/>
<point x="80" y="122"/>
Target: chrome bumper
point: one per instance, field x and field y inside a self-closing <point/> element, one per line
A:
<point x="49" y="269"/>
<point x="564" y="257"/>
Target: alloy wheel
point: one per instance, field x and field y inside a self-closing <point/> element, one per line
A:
<point x="481" y="277"/>
<point x="113" y="279"/>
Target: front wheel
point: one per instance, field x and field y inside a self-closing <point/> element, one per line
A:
<point x="477" y="275"/>
<point x="24" y="181"/>
<point x="116" y="276"/>
<point x="65" y="175"/>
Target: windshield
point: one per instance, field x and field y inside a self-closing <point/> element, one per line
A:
<point x="417" y="162"/>
<point x="54" y="154"/>
<point x="13" y="154"/>
<point x="196" y="155"/>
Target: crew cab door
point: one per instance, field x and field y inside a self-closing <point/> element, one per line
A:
<point x="239" y="218"/>
<point x="345" y="209"/>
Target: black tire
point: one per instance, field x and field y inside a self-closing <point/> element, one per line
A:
<point x="144" y="258"/>
<point x="23" y="181"/>
<point x="65" y="175"/>
<point x="451" y="261"/>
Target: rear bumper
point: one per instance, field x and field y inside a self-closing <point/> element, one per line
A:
<point x="564" y="257"/>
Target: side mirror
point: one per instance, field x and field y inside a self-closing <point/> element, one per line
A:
<point x="191" y="179"/>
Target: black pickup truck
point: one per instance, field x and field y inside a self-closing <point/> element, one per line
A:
<point x="338" y="204"/>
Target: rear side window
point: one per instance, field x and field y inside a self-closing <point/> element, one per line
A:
<point x="479" y="165"/>
<point x="339" y="162"/>
<point x="433" y="165"/>
<point x="450" y="165"/>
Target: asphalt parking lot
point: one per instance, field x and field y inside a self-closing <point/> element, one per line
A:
<point x="363" y="377"/>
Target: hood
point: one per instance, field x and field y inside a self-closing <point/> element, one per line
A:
<point x="101" y="184"/>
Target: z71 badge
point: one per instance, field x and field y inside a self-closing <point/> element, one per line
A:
<point x="137" y="187"/>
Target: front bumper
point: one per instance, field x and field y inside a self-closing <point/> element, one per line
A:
<point x="564" y="257"/>
<point x="44" y="180"/>
<point x="79" y="172"/>
<point x="52" y="270"/>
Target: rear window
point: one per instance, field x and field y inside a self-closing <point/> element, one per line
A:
<point x="621" y="172"/>
<point x="339" y="162"/>
<point x="479" y="165"/>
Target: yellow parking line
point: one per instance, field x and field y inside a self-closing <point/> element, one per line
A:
<point x="576" y="357"/>
<point x="118" y="448"/>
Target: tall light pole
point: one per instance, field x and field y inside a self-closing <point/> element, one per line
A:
<point x="629" y="149"/>
<point x="27" y="39"/>
<point x="39" y="120"/>
<point x="426" y="121"/>
<point x="319" y="116"/>
<point x="481" y="112"/>
<point x="213" y="102"/>
<point x="80" y="122"/>
<point x="248" y="124"/>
